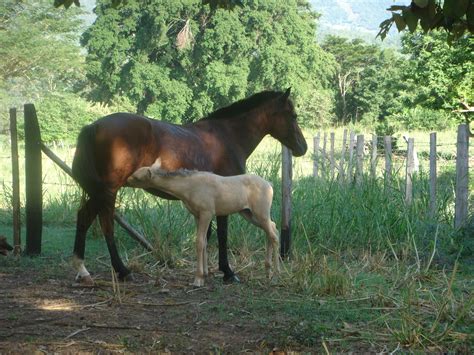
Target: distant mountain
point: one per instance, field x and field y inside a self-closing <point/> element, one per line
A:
<point x="356" y="19"/>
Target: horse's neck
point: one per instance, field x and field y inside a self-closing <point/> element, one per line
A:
<point x="251" y="129"/>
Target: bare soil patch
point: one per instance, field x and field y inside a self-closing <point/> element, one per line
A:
<point x="165" y="313"/>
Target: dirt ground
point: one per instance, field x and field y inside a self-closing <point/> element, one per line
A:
<point x="45" y="314"/>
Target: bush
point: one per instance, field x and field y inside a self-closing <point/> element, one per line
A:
<point x="424" y="118"/>
<point x="60" y="117"/>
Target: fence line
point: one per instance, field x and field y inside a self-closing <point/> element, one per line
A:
<point x="355" y="151"/>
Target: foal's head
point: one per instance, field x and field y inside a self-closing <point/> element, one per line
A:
<point x="285" y="127"/>
<point x="140" y="178"/>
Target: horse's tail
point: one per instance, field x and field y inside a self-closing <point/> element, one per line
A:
<point x="84" y="169"/>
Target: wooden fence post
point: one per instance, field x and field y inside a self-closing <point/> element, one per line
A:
<point x="373" y="161"/>
<point x="331" y="156"/>
<point x="388" y="159"/>
<point x="286" y="177"/>
<point x="33" y="182"/>
<point x="324" y="156"/>
<point x="15" y="184"/>
<point x="462" y="177"/>
<point x="343" y="155"/>
<point x="433" y="173"/>
<point x="316" y="154"/>
<point x="351" y="155"/>
<point x="409" y="171"/>
<point x="360" y="159"/>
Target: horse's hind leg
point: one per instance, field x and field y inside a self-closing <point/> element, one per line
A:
<point x="85" y="216"/>
<point x="106" y="217"/>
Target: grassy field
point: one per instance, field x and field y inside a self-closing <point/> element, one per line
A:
<point x="367" y="272"/>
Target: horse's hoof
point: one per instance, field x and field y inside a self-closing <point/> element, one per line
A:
<point x="85" y="280"/>
<point x="231" y="279"/>
<point x="127" y="277"/>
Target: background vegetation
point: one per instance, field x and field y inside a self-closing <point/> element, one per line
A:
<point x="367" y="271"/>
<point x="181" y="60"/>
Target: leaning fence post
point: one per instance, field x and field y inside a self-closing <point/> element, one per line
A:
<point x="373" y="161"/>
<point x="462" y="177"/>
<point x="331" y="156"/>
<point x="388" y="159"/>
<point x="433" y="175"/>
<point x="286" y="176"/>
<point x="360" y="159"/>
<point x="15" y="184"/>
<point x="316" y="154"/>
<point x="410" y="167"/>
<point x="33" y="182"/>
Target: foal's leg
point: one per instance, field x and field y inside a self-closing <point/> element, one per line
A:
<point x="229" y="275"/>
<point x="106" y="217"/>
<point x="85" y="216"/>
<point x="202" y="224"/>
<point x="272" y="258"/>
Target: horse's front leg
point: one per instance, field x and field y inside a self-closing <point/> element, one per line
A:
<point x="202" y="223"/>
<point x="229" y="275"/>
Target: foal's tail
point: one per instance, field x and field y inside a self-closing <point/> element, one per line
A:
<point x="84" y="169"/>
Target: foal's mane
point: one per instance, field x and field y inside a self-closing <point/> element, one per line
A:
<point x="243" y="105"/>
<point x="179" y="172"/>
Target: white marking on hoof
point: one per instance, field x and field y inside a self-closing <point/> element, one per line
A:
<point x="83" y="275"/>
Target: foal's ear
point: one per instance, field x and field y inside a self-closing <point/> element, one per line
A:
<point x="149" y="174"/>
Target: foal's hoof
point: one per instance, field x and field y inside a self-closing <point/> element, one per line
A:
<point x="231" y="279"/>
<point x="85" y="280"/>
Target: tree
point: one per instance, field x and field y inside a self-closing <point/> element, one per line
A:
<point x="445" y="73"/>
<point x="455" y="16"/>
<point x="365" y="81"/>
<point x="28" y="33"/>
<point x="39" y="50"/>
<point x="180" y="60"/>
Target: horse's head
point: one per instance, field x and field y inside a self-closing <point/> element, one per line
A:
<point x="140" y="178"/>
<point x="285" y="127"/>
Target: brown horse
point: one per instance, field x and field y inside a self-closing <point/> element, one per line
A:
<point x="109" y="150"/>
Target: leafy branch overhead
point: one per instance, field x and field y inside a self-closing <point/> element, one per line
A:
<point x="214" y="4"/>
<point x="455" y="16"/>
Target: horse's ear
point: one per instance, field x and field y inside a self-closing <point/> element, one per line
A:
<point x="286" y="95"/>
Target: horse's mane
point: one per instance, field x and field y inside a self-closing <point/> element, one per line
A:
<point x="243" y="105"/>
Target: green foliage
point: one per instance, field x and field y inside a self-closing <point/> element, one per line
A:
<point x="455" y="16"/>
<point x="60" y="117"/>
<point x="178" y="61"/>
<point x="441" y="75"/>
<point x="39" y="51"/>
<point x="366" y="81"/>
<point x="419" y="117"/>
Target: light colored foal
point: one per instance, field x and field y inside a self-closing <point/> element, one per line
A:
<point x="206" y="195"/>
